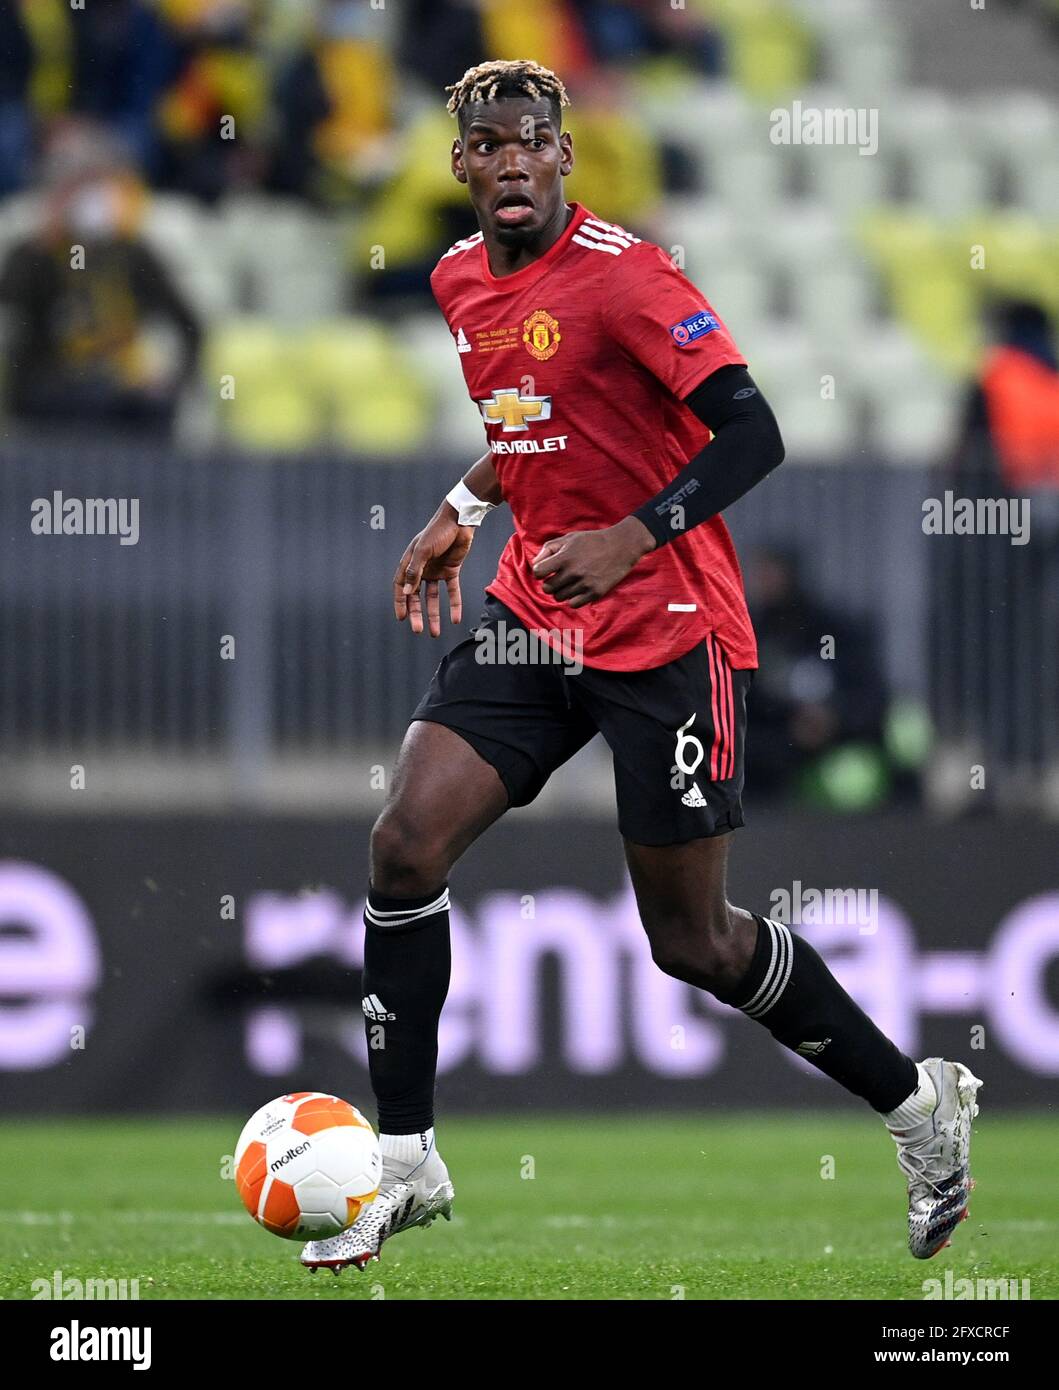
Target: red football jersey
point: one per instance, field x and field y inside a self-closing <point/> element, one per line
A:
<point x="578" y="364"/>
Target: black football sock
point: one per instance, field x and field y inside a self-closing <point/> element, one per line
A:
<point x="407" y="960"/>
<point x="790" y="990"/>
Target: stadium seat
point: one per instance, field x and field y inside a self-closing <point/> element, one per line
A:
<point x="815" y="430"/>
<point x="928" y="287"/>
<point x="891" y="369"/>
<point x="835" y="304"/>
<point x="426" y="338"/>
<point x="742" y="296"/>
<point x="870" y="59"/>
<point x="890" y="362"/>
<point x="832" y="16"/>
<point x="1034" y="179"/>
<point x="210" y="290"/>
<point x="705" y="120"/>
<point x="339" y="355"/>
<point x="344" y="380"/>
<point x="1021" y="254"/>
<point x="790" y="372"/>
<point x="364" y="385"/>
<point x="770" y="51"/>
<point x="270" y="408"/>
<point x="711" y="245"/>
<point x="748" y="181"/>
<point x="1015" y="122"/>
<point x="844" y="181"/>
<point x="898" y="237"/>
<point x="706" y="229"/>
<point x="799" y="236"/>
<point x="919" y="427"/>
<point x="179" y="231"/>
<point x="189" y="241"/>
<point x="283" y="260"/>
<point x="918" y="118"/>
<point x="298" y="267"/>
<point x="942" y="310"/>
<point x="946" y="183"/>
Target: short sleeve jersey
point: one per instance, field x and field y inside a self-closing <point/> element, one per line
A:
<point x="578" y="365"/>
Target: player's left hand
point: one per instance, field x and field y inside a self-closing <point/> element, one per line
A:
<point x="582" y="566"/>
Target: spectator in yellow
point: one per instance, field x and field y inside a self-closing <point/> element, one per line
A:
<point x="81" y="294"/>
<point x="212" y="117"/>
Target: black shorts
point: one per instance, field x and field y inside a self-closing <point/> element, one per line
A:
<point x="676" y="732"/>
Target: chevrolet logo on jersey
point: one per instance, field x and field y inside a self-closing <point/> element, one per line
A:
<point x="508" y="406"/>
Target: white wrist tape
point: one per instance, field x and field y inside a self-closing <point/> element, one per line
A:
<point x="471" y="510"/>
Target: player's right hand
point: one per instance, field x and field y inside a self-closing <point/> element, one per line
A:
<point x="432" y="557"/>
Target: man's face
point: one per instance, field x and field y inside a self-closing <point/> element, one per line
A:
<point x="512" y="159"/>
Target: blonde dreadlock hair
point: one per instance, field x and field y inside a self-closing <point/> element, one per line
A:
<point x="506" y="78"/>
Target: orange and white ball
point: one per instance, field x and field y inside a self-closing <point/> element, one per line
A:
<point x="306" y="1165"/>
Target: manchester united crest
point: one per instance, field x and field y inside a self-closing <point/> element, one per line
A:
<point x="540" y="333"/>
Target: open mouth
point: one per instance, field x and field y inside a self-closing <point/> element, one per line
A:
<point x="513" y="208"/>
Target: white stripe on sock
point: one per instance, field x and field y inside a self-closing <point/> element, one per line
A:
<point x="750" y="1003"/>
<point x="399" y="916"/>
<point x="776" y="980"/>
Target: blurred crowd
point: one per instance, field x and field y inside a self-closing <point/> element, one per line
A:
<point x="303" y="97"/>
<point x="336" y="104"/>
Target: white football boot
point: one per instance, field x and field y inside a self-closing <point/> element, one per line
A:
<point x="411" y="1193"/>
<point x="934" y="1156"/>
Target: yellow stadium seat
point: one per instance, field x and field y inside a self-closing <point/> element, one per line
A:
<point x="391" y="422"/>
<point x="243" y="347"/>
<point x="770" y="51"/>
<point x="943" y="313"/>
<point x="896" y="239"/>
<point x="346" y="380"/>
<point x="279" y="417"/>
<point x="343" y="355"/>
<point x="365" y="387"/>
<point x="929" y="284"/>
<point x="270" y="409"/>
<point x="1021" y="256"/>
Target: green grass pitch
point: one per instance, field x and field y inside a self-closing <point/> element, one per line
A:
<point x="645" y="1207"/>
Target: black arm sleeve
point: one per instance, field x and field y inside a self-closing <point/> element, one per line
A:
<point x="745" y="448"/>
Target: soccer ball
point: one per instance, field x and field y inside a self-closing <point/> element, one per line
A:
<point x="306" y="1164"/>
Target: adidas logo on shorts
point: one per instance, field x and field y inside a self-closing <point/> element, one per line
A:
<point x="694" y="797"/>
